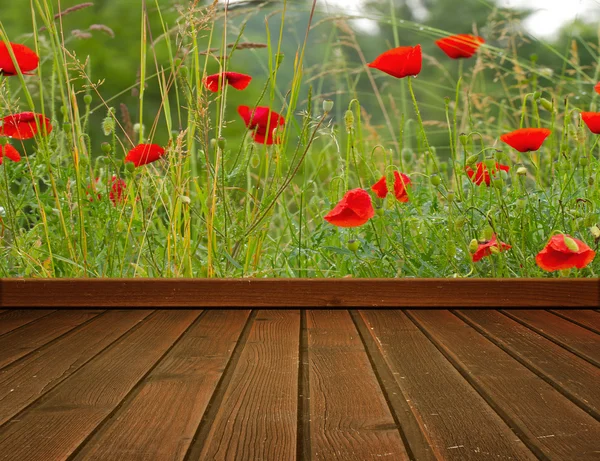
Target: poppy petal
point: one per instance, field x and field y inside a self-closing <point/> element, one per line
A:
<point x="235" y="79"/>
<point x="354" y="210"/>
<point x="592" y="120"/>
<point x="526" y="139"/>
<point x="143" y="154"/>
<point x="262" y="121"/>
<point x="10" y="152"/>
<point x="556" y="255"/>
<point x="597" y="88"/>
<point x="401" y="182"/>
<point x="117" y="189"/>
<point x="380" y="188"/>
<point x="460" y="46"/>
<point x="399" y="62"/>
<point x="485" y="249"/>
<point x="27" y="60"/>
<point x="24" y="125"/>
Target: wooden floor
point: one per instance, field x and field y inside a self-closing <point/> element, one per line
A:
<point x="311" y="385"/>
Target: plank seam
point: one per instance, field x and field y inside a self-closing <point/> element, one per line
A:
<point x="512" y="425"/>
<point x="529" y="365"/>
<point x="303" y="447"/>
<point x="132" y="392"/>
<point x="25" y="324"/>
<point x="558" y="314"/>
<point x="556" y="341"/>
<point x="214" y="404"/>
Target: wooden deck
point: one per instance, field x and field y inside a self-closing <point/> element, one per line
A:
<point x="289" y="384"/>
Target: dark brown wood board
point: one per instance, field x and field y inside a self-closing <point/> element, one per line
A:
<point x="13" y="319"/>
<point x="586" y="318"/>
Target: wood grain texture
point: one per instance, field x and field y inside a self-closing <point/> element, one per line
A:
<point x="160" y="420"/>
<point x="20" y="342"/>
<point x="14" y="319"/>
<point x="578" y="340"/>
<point x="586" y="318"/>
<point x="349" y="416"/>
<point x="574" y="377"/>
<point x="250" y="292"/>
<point x="53" y="428"/>
<point x="455" y="420"/>
<point x="29" y="379"/>
<point x="548" y="423"/>
<point x="257" y="418"/>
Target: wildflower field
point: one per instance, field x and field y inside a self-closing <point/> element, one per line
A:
<point x="255" y="164"/>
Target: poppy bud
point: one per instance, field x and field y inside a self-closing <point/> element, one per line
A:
<point x="537" y="95"/>
<point x="595" y="230"/>
<point x="254" y="160"/>
<point x="565" y="272"/>
<point x="546" y="104"/>
<point x="380" y="211"/>
<point x="450" y="196"/>
<point x="349" y="120"/>
<point x="521" y="203"/>
<point x="108" y="125"/>
<point x="435" y="180"/>
<point x="353" y="245"/>
<point x="64" y="110"/>
<point x="570" y="244"/>
<point x="130" y="167"/>
<point x="490" y="163"/>
<point x="106" y="147"/>
<point x="494" y="250"/>
<point x="327" y="105"/>
<point x="137" y="127"/>
<point x="221" y="142"/>
<point x="87" y="99"/>
<point x="472" y="159"/>
<point x="473" y="246"/>
<point x="522" y="171"/>
<point x="105" y="160"/>
<point x="583" y="161"/>
<point x="498" y="183"/>
<point x="463" y="138"/>
<point x="67" y="127"/>
<point x="488" y="232"/>
<point x="185" y="199"/>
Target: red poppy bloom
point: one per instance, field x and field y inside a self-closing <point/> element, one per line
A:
<point x="263" y="121"/>
<point x="592" y="120"/>
<point x="91" y="191"/>
<point x="485" y="248"/>
<point x="143" y="154"/>
<point x="238" y="81"/>
<point x="400" y="182"/>
<point x="10" y="152"/>
<point x="481" y="174"/>
<point x="24" y="125"/>
<point x="399" y="62"/>
<point x="597" y="88"/>
<point x="26" y="59"/>
<point x="558" y="254"/>
<point x="526" y="139"/>
<point x="460" y="46"/>
<point x="117" y="190"/>
<point x="354" y="210"/>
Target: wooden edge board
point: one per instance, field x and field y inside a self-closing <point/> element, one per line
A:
<point x="251" y="292"/>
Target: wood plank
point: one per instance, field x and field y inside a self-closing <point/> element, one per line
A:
<point x="586" y="318"/>
<point x="160" y="420"/>
<point x="258" y="292"/>
<point x="547" y="422"/>
<point x="571" y="375"/>
<point x="349" y="415"/>
<point x="456" y="422"/>
<point x="257" y="416"/>
<point x="20" y="342"/>
<point x="576" y="339"/>
<point x="16" y="318"/>
<point x="27" y="380"/>
<point x="53" y="428"/>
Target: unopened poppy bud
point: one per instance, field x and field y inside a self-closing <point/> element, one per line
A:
<point x="106" y="147"/>
<point x="498" y="183"/>
<point x="595" y="230"/>
<point x="130" y="167"/>
<point x="380" y="211"/>
<point x="521" y="203"/>
<point x="137" y="127"/>
<point x="565" y="272"/>
<point x="522" y="171"/>
<point x="327" y="105"/>
<point x="67" y="127"/>
<point x="254" y="160"/>
<point x="490" y="163"/>
<point x="213" y="142"/>
<point x="488" y="232"/>
<point x="494" y="250"/>
<point x="353" y="245"/>
<point x="87" y="99"/>
<point x="106" y="160"/>
<point x="583" y="161"/>
<point x="108" y="125"/>
<point x="472" y="160"/>
<point x="473" y="245"/>
<point x="450" y="196"/>
<point x="463" y="138"/>
<point x="64" y="110"/>
<point x="349" y="120"/>
<point x="537" y="95"/>
<point x="571" y="244"/>
<point x="435" y="180"/>
<point x="221" y="142"/>
<point x="185" y="199"/>
<point x="546" y="104"/>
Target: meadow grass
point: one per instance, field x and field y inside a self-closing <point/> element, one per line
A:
<point x="218" y="205"/>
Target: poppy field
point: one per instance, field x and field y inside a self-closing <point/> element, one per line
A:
<point x="245" y="173"/>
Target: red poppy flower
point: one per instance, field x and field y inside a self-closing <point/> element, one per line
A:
<point x="354" y="210"/>
<point x="460" y="46"/>
<point x="26" y="59"/>
<point x="485" y="248"/>
<point x="400" y="182"/>
<point x="91" y="191"/>
<point x="399" y="62"/>
<point x="143" y="154"/>
<point x="558" y="254"/>
<point x="597" y="88"/>
<point x="117" y="190"/>
<point x="592" y="120"/>
<point x="262" y="121"/>
<point x="24" y="125"/>
<point x="10" y="152"/>
<point x="526" y="139"/>
<point x="238" y="81"/>
<point x="481" y="174"/>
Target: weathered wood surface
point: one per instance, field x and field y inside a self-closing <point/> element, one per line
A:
<point x="252" y="292"/>
<point x="300" y="385"/>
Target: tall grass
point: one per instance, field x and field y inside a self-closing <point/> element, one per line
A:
<point x="219" y="205"/>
